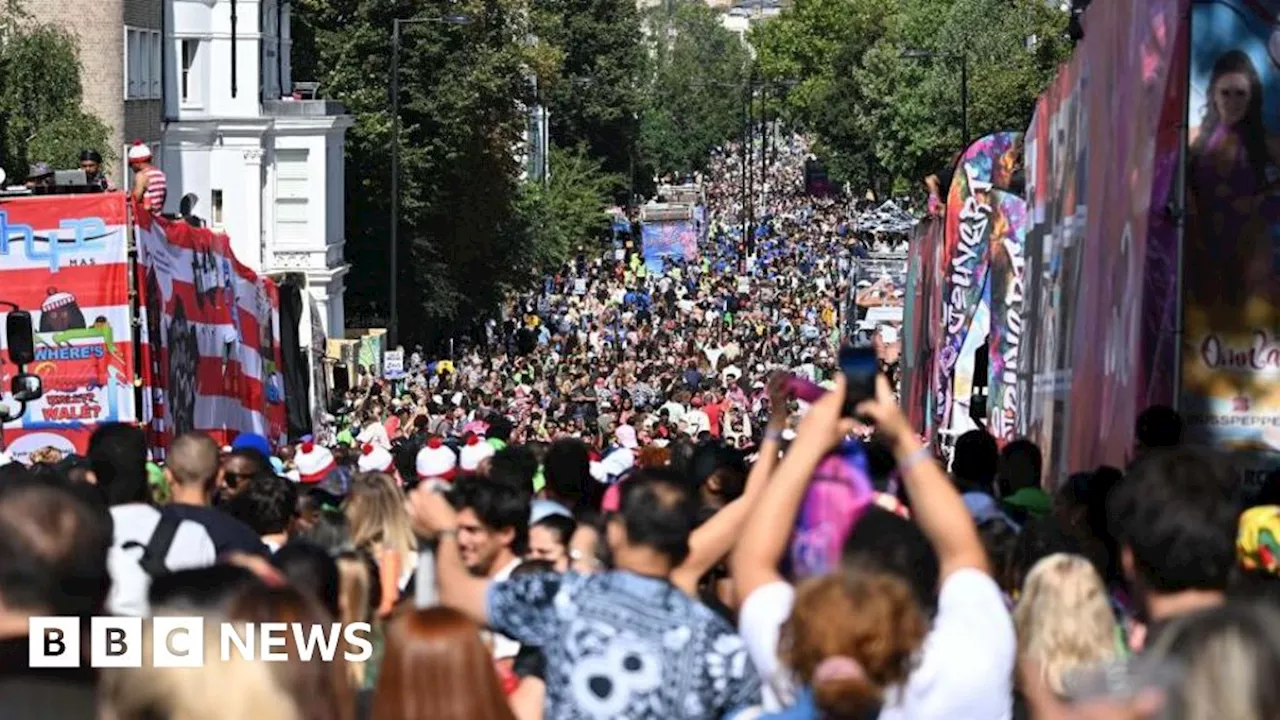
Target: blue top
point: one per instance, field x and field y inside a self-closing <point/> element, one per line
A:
<point x="624" y="645"/>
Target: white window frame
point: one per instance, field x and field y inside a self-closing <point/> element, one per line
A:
<point x="190" y="76"/>
<point x="157" y="65"/>
<point x="215" y="207"/>
<point x="142" y="64"/>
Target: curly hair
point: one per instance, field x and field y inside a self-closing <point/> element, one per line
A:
<point x="871" y="617"/>
<point x="1064" y="619"/>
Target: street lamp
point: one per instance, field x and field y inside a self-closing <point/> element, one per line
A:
<point x="393" y="326"/>
<point x="964" y="81"/>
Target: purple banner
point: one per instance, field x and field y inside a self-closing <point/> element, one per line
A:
<point x="1008" y="277"/>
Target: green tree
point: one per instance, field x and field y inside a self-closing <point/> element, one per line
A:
<point x="567" y="213"/>
<point x="595" y="96"/>
<point x="40" y="93"/>
<point x="694" y="91"/>
<point x="463" y="94"/>
<point x="884" y="121"/>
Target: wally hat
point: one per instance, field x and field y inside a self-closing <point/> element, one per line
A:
<point x="55" y="300"/>
<point x="474" y="452"/>
<point x="435" y="461"/>
<point x="375" y="458"/>
<point x="313" y="462"/>
<point x="139" y="152"/>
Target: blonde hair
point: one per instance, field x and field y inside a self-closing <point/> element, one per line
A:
<point x="355" y="585"/>
<point x="377" y="519"/>
<point x="198" y="693"/>
<point x="1227" y="658"/>
<point x="1064" y="619"/>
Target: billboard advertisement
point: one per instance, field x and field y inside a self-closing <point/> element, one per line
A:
<point x="1230" y="389"/>
<point x="64" y="259"/>
<point x="1057" y="166"/>
<point x="1130" y="48"/>
<point x="674" y="239"/>
<point x="211" y="339"/>
<point x="921" y="315"/>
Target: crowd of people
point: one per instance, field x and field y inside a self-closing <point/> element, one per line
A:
<point x="608" y="511"/>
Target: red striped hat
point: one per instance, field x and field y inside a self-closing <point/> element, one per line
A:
<point x="375" y="458"/>
<point x="474" y="452"/>
<point x="435" y="461"/>
<point x="313" y="462"/>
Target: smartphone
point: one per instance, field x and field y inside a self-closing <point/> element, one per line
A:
<point x="860" y="367"/>
<point x="802" y="389"/>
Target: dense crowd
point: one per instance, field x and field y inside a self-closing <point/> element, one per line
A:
<point x="616" y="508"/>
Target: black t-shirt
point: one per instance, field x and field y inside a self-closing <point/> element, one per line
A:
<point x="227" y="533"/>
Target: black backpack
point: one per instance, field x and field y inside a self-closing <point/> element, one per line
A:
<point x="157" y="548"/>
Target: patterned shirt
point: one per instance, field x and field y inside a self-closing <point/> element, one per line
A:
<point x="620" y="645"/>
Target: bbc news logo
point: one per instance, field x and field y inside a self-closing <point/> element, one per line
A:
<point x="117" y="642"/>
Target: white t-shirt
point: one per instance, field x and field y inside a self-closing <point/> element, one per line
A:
<point x="375" y="433"/>
<point x="966" y="665"/>
<point x="134" y="523"/>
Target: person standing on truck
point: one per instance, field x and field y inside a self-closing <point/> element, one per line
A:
<point x="149" y="185"/>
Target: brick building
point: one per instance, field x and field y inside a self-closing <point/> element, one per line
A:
<point x="121" y="56"/>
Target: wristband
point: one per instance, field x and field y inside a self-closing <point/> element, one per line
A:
<point x="451" y="532"/>
<point x="774" y="435"/>
<point x="917" y="456"/>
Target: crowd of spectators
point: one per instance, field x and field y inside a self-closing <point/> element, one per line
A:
<point x="604" y="524"/>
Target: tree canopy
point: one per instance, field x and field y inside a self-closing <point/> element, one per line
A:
<point x="694" y="90"/>
<point x="469" y="229"/>
<point x="883" y="120"/>
<point x="40" y="93"/>
<point x="594" y="98"/>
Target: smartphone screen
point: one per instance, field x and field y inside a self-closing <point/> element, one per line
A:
<point x="860" y="367"/>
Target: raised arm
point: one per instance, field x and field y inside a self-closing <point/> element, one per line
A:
<point x="936" y="506"/>
<point x="764" y="540"/>
<point x="714" y="538"/>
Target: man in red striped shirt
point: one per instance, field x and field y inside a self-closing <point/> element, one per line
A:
<point x="149" y="187"/>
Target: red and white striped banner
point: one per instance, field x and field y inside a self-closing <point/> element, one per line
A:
<point x="210" y="329"/>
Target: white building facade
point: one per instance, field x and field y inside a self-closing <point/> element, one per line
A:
<point x="262" y="163"/>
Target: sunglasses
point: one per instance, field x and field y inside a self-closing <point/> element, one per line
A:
<point x="234" y="479"/>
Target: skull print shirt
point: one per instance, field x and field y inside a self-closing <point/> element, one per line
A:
<point x="621" y="645"/>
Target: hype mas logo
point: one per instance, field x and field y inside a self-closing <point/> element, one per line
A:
<point x="52" y="248"/>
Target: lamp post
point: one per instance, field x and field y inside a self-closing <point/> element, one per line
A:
<point x="393" y="325"/>
<point x="964" y="81"/>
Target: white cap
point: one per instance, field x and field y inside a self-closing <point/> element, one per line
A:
<point x="436" y="461"/>
<point x="476" y="451"/>
<point x="139" y="152"/>
<point x="313" y="462"/>
<point x="375" y="458"/>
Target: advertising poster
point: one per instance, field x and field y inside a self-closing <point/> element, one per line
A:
<point x="987" y="164"/>
<point x="64" y="259"/>
<point x="1056" y="170"/>
<point x="667" y="239"/>
<point x="1130" y="47"/>
<point x="1230" y="392"/>
<point x="211" y="350"/>
<point x="918" y="350"/>
<point x="1007" y="285"/>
